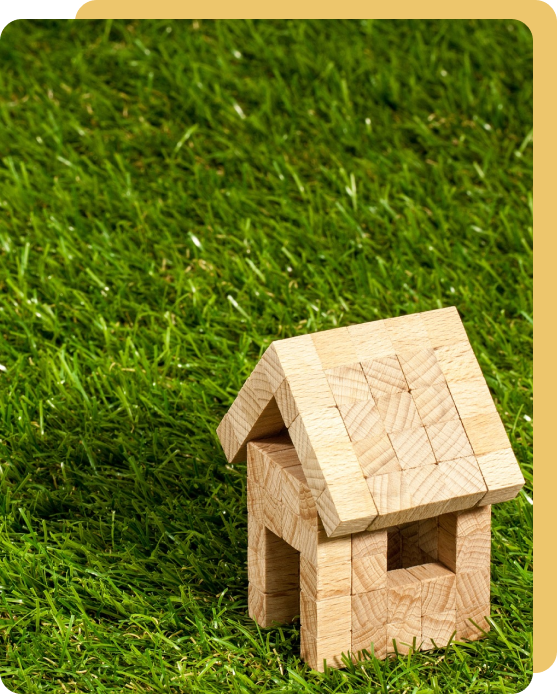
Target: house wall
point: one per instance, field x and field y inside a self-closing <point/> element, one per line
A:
<point x="418" y="584"/>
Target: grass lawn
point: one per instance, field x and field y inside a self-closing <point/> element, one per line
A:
<point x="173" y="197"/>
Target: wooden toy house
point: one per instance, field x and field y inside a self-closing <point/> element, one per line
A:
<point x="374" y="454"/>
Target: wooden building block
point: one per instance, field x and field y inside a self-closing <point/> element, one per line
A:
<point x="272" y="574"/>
<point x="371" y="341"/>
<point x="270" y="365"/>
<point x="472" y="623"/>
<point x="348" y="384"/>
<point x="434" y="404"/>
<point x="320" y="550"/>
<point x="408" y="333"/>
<point x="292" y="486"/>
<point x="369" y="620"/>
<point x="309" y="390"/>
<point x="334" y="348"/>
<point x="458" y="362"/>
<point x="486" y="433"/>
<point x="412" y="448"/>
<point x="421" y="368"/>
<point x="325" y="581"/>
<point x="410" y="554"/>
<point x="372" y="640"/>
<point x="376" y="455"/>
<point x="269" y="608"/>
<point x="470" y="522"/>
<point x="324" y="617"/>
<point x="428" y="539"/>
<point x="291" y="527"/>
<point x="286" y="403"/>
<point x="398" y="412"/>
<point x="438" y="629"/>
<point x="403" y="596"/>
<point x="362" y="420"/>
<point x="404" y="636"/>
<point x="262" y="541"/>
<point x="438" y="587"/>
<point x="227" y="437"/>
<point x="369" y="573"/>
<point x="472" y="397"/>
<point x="368" y="543"/>
<point x="444" y="327"/>
<point x="502" y="476"/>
<point x="255" y="501"/>
<point x="449" y="440"/>
<point x="394" y="549"/>
<point x="308" y="509"/>
<point x="384" y="376"/>
<point x="274" y="444"/>
<point x="472" y="588"/>
<point x="464" y="482"/>
<point x="330" y="649"/>
<point x="464" y="554"/>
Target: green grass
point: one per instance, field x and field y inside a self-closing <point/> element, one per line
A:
<point x="173" y="197"/>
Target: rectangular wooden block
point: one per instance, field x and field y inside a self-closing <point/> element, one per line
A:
<point x="369" y="610"/>
<point x="320" y="550"/>
<point x="472" y="589"/>
<point x="458" y="362"/>
<point x="286" y="403"/>
<point x="371" y="341"/>
<point x="362" y="420"/>
<point x="449" y="440"/>
<point x="412" y="448"/>
<point x="330" y="649"/>
<point x="265" y="542"/>
<point x="464" y="481"/>
<point x="428" y="539"/>
<point x="372" y="639"/>
<point x="435" y="404"/>
<point x="472" y="397"/>
<point x="384" y="376"/>
<point x="438" y="629"/>
<point x="410" y="537"/>
<point x="502" y="476"/>
<point x="444" y="327"/>
<point x="464" y="554"/>
<point x="274" y="574"/>
<point x="403" y="596"/>
<point x="421" y="368"/>
<point x="292" y="485"/>
<point x="438" y="587"/>
<point x="348" y="384"/>
<point x="334" y="348"/>
<point x="367" y="543"/>
<point x="228" y="439"/>
<point x="369" y="573"/>
<point x="324" y="617"/>
<point x="398" y="412"/>
<point x="464" y="523"/>
<point x="376" y="455"/>
<point x="394" y="549"/>
<point x="291" y="527"/>
<point x="404" y="636"/>
<point x="472" y="623"/>
<point x="327" y="581"/>
<point x="255" y="500"/>
<point x="272" y="515"/>
<point x="408" y="333"/>
<point x="486" y="433"/>
<point x="269" y="608"/>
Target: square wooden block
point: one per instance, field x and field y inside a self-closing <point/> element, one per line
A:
<point x="328" y="581"/>
<point x="470" y="522"/>
<point x="458" y="362"/>
<point x="348" y="384"/>
<point x="472" y="589"/>
<point x="384" y="376"/>
<point x="435" y="404"/>
<point x="404" y="635"/>
<point x="502" y="476"/>
<point x="372" y="639"/>
<point x="398" y="412"/>
<point x="472" y="623"/>
<point x="412" y="448"/>
<point x="367" y="543"/>
<point x="438" y="629"/>
<point x="324" y="617"/>
<point x="362" y="420"/>
<point x="421" y="368"/>
<point x="444" y="326"/>
<point x="403" y="596"/>
<point x="274" y="574"/>
<point x="270" y="608"/>
<point x="438" y="586"/>
<point x="328" y="648"/>
<point x="449" y="440"/>
<point x="369" y="573"/>
<point x="376" y="455"/>
<point x="464" y="554"/>
<point x="486" y="433"/>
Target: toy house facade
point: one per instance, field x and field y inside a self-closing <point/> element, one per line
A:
<point x="374" y="454"/>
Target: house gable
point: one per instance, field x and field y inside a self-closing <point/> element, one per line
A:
<point x="392" y="420"/>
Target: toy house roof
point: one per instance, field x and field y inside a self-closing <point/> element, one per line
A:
<point x="392" y="421"/>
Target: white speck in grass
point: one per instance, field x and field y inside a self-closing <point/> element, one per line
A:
<point x="487" y="126"/>
<point x="39" y="139"/>
<point x="107" y="289"/>
<point x="38" y="315"/>
<point x="195" y="241"/>
<point x="368" y="121"/>
<point x="452" y="290"/>
<point x="168" y="30"/>
<point x="444" y="73"/>
<point x="233" y="301"/>
<point x="529" y="500"/>
<point x="430" y="248"/>
<point x="236" y="54"/>
<point x="478" y="229"/>
<point x="2" y="367"/>
<point x="289" y="269"/>
<point x="527" y="418"/>
<point x="239" y="110"/>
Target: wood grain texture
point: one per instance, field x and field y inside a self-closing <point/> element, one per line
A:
<point x="328" y="648"/>
<point x="486" y="433"/>
<point x="472" y="588"/>
<point x="372" y="639"/>
<point x="325" y="581"/>
<point x="438" y="629"/>
<point x="293" y="483"/>
<point x="376" y="455"/>
<point x="384" y="376"/>
<point x="444" y="327"/>
<point x="403" y="596"/>
<point x="273" y="573"/>
<point x="464" y="523"/>
<point x="458" y="362"/>
<point x="408" y="333"/>
<point x="471" y="624"/>
<point x="227" y="437"/>
<point x="324" y="617"/>
<point x="320" y="550"/>
<point x="369" y="622"/>
<point x="472" y="397"/>
<point x="398" y="412"/>
<point x="368" y="543"/>
<point x="438" y="587"/>
<point x="362" y="420"/>
<point x="369" y="573"/>
<point x="286" y="403"/>
<point x="412" y="448"/>
<point x="502" y="476"/>
<point x="348" y="384"/>
<point x="435" y="404"/>
<point x="449" y="440"/>
<point x="404" y="636"/>
<point x="464" y="482"/>
<point x="421" y="368"/>
<point x="270" y="608"/>
<point x="334" y="348"/>
<point x="464" y="554"/>
<point x="291" y="527"/>
<point x="428" y="539"/>
<point x="371" y="341"/>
